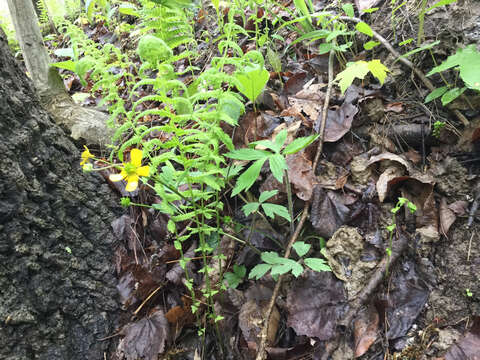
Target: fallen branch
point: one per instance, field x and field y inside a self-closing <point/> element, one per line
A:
<point x="407" y="62"/>
<point x="261" y="353"/>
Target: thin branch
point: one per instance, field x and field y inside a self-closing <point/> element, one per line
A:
<point x="261" y="353"/>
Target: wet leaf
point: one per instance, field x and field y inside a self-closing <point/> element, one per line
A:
<point x="314" y="303"/>
<point x="145" y="338"/>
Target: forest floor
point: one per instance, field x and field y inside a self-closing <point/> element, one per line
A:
<point x="409" y="292"/>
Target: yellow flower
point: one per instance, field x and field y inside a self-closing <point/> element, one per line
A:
<point x="86" y="155"/>
<point x="132" y="171"/>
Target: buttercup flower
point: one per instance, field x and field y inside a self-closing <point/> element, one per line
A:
<point x="86" y="155"/>
<point x="132" y="171"/>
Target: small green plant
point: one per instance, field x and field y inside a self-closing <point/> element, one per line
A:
<point x="236" y="277"/>
<point x="437" y="128"/>
<point x="391" y="228"/>
<point x="468" y="293"/>
<point x="467" y="62"/>
<point x="275" y="156"/>
<point x="278" y="265"/>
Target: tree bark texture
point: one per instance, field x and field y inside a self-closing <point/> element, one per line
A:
<point x="57" y="282"/>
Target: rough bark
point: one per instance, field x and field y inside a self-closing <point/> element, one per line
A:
<point x="83" y="124"/>
<point x="54" y="304"/>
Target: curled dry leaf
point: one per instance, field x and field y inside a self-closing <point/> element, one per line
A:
<point x="447" y="217"/>
<point x="468" y="347"/>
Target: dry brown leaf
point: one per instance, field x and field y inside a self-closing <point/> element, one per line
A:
<point x="365" y="330"/>
<point x="447" y="217"/>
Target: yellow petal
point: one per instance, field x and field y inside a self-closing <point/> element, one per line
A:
<point x="131" y="185"/>
<point x="136" y="157"/>
<point x="132" y="178"/>
<point x="143" y="171"/>
<point x="84" y="160"/>
<point x="115" y="177"/>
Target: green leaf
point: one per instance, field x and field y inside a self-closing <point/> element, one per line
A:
<point x="239" y="270"/>
<point x="369" y="11"/>
<point x="248" y="178"/>
<point x="247" y="154"/>
<point x="435" y="94"/>
<point x="128" y="9"/>
<point x="370" y="45"/>
<point x="424" y="47"/>
<point x="281" y="269"/>
<point x="264" y="196"/>
<point x="348" y="9"/>
<point x="440" y="3"/>
<point x="277" y="166"/>
<point x="273" y="209"/>
<point x="324" y="48"/>
<point x="354" y="70"/>
<point x="378" y="70"/>
<point x="405" y="42"/>
<point x="364" y="28"/>
<point x="280" y="140"/>
<point x="65" y="52"/>
<point x="252" y="80"/>
<point x="250" y="208"/>
<point x="258" y="271"/>
<point x="451" y="95"/>
<point x="171" y="227"/>
<point x="317" y="264"/>
<point x="67" y="65"/>
<point x="271" y="257"/>
<point x="299" y="144"/>
<point x="301" y="248"/>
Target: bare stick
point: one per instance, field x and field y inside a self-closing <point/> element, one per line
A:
<point x="407" y="62"/>
<point x="261" y="353"/>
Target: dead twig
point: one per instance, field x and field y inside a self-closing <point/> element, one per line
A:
<point x="407" y="62"/>
<point x="261" y="353"/>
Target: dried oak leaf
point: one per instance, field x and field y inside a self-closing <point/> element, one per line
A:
<point x="328" y="212"/>
<point x="315" y="303"/>
<point x="144" y="339"/>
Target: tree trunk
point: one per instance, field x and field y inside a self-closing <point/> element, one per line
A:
<point x="57" y="282"/>
<point x="85" y="125"/>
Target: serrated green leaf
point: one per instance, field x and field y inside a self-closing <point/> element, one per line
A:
<point x="248" y="178"/>
<point x="317" y="264"/>
<point x="451" y="95"/>
<point x="264" y="196"/>
<point x="252" y="81"/>
<point x="239" y="270"/>
<point x="250" y="208"/>
<point x="273" y="209"/>
<point x="354" y="70"/>
<point x="299" y="144"/>
<point x="247" y="154"/>
<point x="435" y="94"/>
<point x="301" y="248"/>
<point x="424" y="47"/>
<point x="233" y="279"/>
<point x="277" y="166"/>
<point x="348" y="9"/>
<point x="378" y="70"/>
<point x="364" y="28"/>
<point x="280" y="269"/>
<point x="259" y="270"/>
<point x="271" y="257"/>
<point x="370" y="45"/>
<point x="274" y="60"/>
